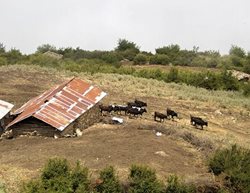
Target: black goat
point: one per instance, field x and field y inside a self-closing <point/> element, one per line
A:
<point x="198" y="121"/>
<point x="137" y="103"/>
<point x="132" y="104"/>
<point x="108" y="108"/>
<point x="120" y="108"/>
<point x="140" y="103"/>
<point x="171" y="113"/>
<point x="161" y="116"/>
<point x="136" y="111"/>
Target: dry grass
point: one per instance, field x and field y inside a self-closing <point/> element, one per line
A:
<point x="148" y="87"/>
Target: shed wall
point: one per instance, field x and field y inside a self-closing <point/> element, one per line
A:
<point x="32" y="124"/>
<point x="87" y="119"/>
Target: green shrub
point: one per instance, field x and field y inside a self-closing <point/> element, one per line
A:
<point x="111" y="57"/>
<point x="2" y="188"/>
<point x="42" y="60"/>
<point x="140" y="59"/>
<point x="143" y="180"/>
<point x="173" y="75"/>
<point x="246" y="68"/>
<point x="55" y="168"/>
<point x="56" y="176"/>
<point x="246" y="89"/>
<point x="34" y="186"/>
<point x="159" y="59"/>
<point x="79" y="178"/>
<point x="234" y="163"/>
<point x="3" y="61"/>
<point x="176" y="186"/>
<point x="109" y="181"/>
<point x="227" y="81"/>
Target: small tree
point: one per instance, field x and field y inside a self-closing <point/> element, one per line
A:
<point x="176" y="186"/>
<point x="237" y="51"/>
<point x="143" y="180"/>
<point x="234" y="163"/>
<point x="55" y="176"/>
<point x="2" y="48"/>
<point x="124" y="45"/>
<point x="109" y="181"/>
<point x="13" y="56"/>
<point x="45" y="47"/>
<point x="79" y="178"/>
<point x="227" y="81"/>
<point x="127" y="49"/>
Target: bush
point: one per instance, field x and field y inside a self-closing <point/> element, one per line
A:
<point x="173" y="75"/>
<point x="58" y="177"/>
<point x="34" y="186"/>
<point x="43" y="60"/>
<point x="140" y="59"/>
<point x="109" y="181"/>
<point x="3" y="61"/>
<point x="234" y="163"/>
<point x="55" y="168"/>
<point x="175" y="186"/>
<point x="79" y="178"/>
<point x="143" y="180"/>
<point x="237" y="61"/>
<point x="246" y="89"/>
<point x="159" y="59"/>
<point x="111" y="57"/>
<point x="227" y="81"/>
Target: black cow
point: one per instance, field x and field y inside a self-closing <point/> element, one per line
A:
<point x="136" y="111"/>
<point x="140" y="103"/>
<point x="161" y="116"/>
<point x="108" y="108"/>
<point x="195" y="121"/>
<point x="120" y="108"/>
<point x="137" y="103"/>
<point x="132" y="104"/>
<point x="171" y="113"/>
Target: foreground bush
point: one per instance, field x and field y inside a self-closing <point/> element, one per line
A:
<point x="176" y="186"/>
<point x="143" y="180"/>
<point x="58" y="177"/>
<point x="109" y="181"/>
<point x="234" y="165"/>
<point x="246" y="89"/>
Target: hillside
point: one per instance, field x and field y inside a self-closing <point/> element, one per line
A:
<point x="185" y="147"/>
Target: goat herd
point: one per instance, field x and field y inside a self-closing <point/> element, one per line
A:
<point x="139" y="107"/>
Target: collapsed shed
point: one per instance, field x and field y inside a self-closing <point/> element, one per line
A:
<point x="5" y="109"/>
<point x="60" y="110"/>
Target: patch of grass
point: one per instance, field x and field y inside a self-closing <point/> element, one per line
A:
<point x="2" y="188"/>
<point x="146" y="87"/>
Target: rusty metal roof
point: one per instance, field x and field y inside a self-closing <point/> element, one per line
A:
<point x="5" y="108"/>
<point x="62" y="104"/>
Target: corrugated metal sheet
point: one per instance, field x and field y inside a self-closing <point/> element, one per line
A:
<point x="62" y="104"/>
<point x="5" y="108"/>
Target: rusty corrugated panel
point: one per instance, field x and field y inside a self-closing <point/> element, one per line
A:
<point x="5" y="108"/>
<point x="61" y="105"/>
